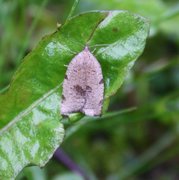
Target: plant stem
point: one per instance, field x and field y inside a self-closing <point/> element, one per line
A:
<point x="83" y="121"/>
<point x="61" y="156"/>
<point x="73" y="9"/>
<point x="4" y="89"/>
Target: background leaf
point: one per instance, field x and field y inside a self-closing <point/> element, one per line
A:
<point x="30" y="109"/>
<point x="163" y="16"/>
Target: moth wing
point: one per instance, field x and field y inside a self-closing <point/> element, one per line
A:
<point x="83" y="87"/>
<point x="71" y="100"/>
<point x="94" y="86"/>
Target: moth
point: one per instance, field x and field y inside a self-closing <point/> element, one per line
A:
<point x="83" y="86"/>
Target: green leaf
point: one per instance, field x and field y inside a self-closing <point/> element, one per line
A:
<point x="30" y="120"/>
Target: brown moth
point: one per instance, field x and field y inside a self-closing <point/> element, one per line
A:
<point x="83" y="86"/>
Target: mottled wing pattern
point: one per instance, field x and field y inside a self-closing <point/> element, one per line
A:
<point x="83" y="87"/>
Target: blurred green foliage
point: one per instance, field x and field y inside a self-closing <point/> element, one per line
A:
<point x="139" y="144"/>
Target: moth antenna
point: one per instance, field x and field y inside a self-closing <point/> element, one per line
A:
<point x="99" y="45"/>
<point x="93" y="50"/>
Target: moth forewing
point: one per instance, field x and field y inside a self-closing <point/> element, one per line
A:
<point x="83" y="86"/>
